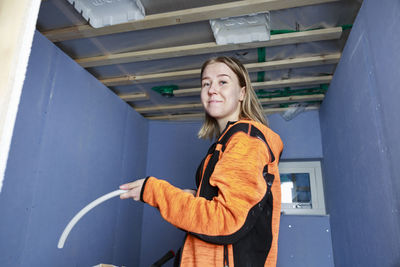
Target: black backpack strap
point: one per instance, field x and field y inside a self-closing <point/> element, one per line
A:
<point x="255" y="132"/>
<point x="244" y="127"/>
<point x="216" y="149"/>
<point x="239" y="127"/>
<point x="208" y="191"/>
<point x="199" y="172"/>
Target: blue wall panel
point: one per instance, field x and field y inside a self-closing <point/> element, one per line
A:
<point x="384" y="46"/>
<point x="359" y="130"/>
<point x="301" y="135"/>
<point x="174" y="154"/>
<point x="305" y="241"/>
<point x="74" y="141"/>
<point x="129" y="218"/>
<point x="12" y="238"/>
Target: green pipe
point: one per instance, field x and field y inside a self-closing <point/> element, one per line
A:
<point x="347" y="26"/>
<point x="261" y="58"/>
<point x="289" y="92"/>
<point x="165" y="90"/>
<point x="273" y="32"/>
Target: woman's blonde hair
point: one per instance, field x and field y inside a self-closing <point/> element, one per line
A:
<point x="250" y="107"/>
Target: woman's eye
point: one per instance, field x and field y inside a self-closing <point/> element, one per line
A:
<point x="206" y="84"/>
<point x="222" y="82"/>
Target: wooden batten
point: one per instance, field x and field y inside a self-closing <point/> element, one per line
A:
<point x="198" y="116"/>
<point x="292" y="99"/>
<point x="302" y="81"/>
<point x="196" y="106"/>
<point x="134" y="97"/>
<point x="169" y="107"/>
<point x="237" y="8"/>
<point x="208" y="48"/>
<point x="252" y="67"/>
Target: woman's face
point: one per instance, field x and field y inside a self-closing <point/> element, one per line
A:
<point x="221" y="93"/>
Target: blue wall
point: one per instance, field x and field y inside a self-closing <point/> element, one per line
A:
<point x="305" y="241"/>
<point x="360" y="127"/>
<point x="301" y="135"/>
<point x="174" y="153"/>
<point x="74" y="141"/>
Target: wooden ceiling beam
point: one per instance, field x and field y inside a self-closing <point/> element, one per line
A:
<point x="151" y="109"/>
<point x="303" y="81"/>
<point x="292" y="99"/>
<point x="208" y="48"/>
<point x="237" y="8"/>
<point x="264" y="101"/>
<point x="294" y="62"/>
<point x="134" y="97"/>
<point x="151" y="77"/>
<point x="197" y="116"/>
<point x="190" y="116"/>
<point x="252" y="67"/>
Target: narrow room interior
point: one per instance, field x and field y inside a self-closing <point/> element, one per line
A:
<point x="108" y="101"/>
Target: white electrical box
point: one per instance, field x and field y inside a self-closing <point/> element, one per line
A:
<point x="101" y="13"/>
<point x="242" y="29"/>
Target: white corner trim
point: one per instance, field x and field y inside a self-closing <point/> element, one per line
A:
<point x="16" y="71"/>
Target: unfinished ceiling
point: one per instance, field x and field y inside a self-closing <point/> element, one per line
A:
<point x="154" y="63"/>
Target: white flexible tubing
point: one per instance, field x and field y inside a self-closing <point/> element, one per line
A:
<point x="85" y="210"/>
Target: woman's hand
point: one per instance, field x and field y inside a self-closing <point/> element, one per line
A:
<point x="134" y="189"/>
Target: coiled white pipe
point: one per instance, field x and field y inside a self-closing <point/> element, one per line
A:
<point x="85" y="210"/>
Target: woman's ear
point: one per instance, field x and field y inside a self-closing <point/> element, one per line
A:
<point x="242" y="93"/>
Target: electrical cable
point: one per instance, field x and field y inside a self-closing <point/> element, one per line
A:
<point x="85" y="210"/>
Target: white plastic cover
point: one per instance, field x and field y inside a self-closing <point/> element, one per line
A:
<point x="100" y="13"/>
<point x="241" y="29"/>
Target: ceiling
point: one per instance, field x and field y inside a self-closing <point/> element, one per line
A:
<point x="154" y="63"/>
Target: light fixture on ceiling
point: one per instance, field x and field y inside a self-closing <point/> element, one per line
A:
<point x="101" y="13"/>
<point x="242" y="29"/>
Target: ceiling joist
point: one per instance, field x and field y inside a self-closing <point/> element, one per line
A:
<point x="252" y="67"/>
<point x="302" y="81"/>
<point x="197" y="116"/>
<point x="237" y="8"/>
<point x="211" y="47"/>
<point x="134" y="97"/>
<point x="263" y="101"/>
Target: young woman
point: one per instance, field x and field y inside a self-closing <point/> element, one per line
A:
<point x="233" y="217"/>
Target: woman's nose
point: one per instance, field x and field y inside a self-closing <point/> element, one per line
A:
<point x="212" y="89"/>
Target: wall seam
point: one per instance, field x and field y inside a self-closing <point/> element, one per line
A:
<point x="51" y="83"/>
<point x="146" y="173"/>
<point x="123" y="172"/>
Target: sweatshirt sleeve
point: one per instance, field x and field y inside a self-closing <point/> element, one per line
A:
<point x="238" y="176"/>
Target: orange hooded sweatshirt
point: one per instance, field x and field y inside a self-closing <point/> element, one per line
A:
<point x="234" y="218"/>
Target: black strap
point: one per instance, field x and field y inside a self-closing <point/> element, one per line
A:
<point x="269" y="178"/>
<point x="255" y="132"/>
<point x="239" y="127"/>
<point x="209" y="191"/>
<point x="244" y="127"/>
